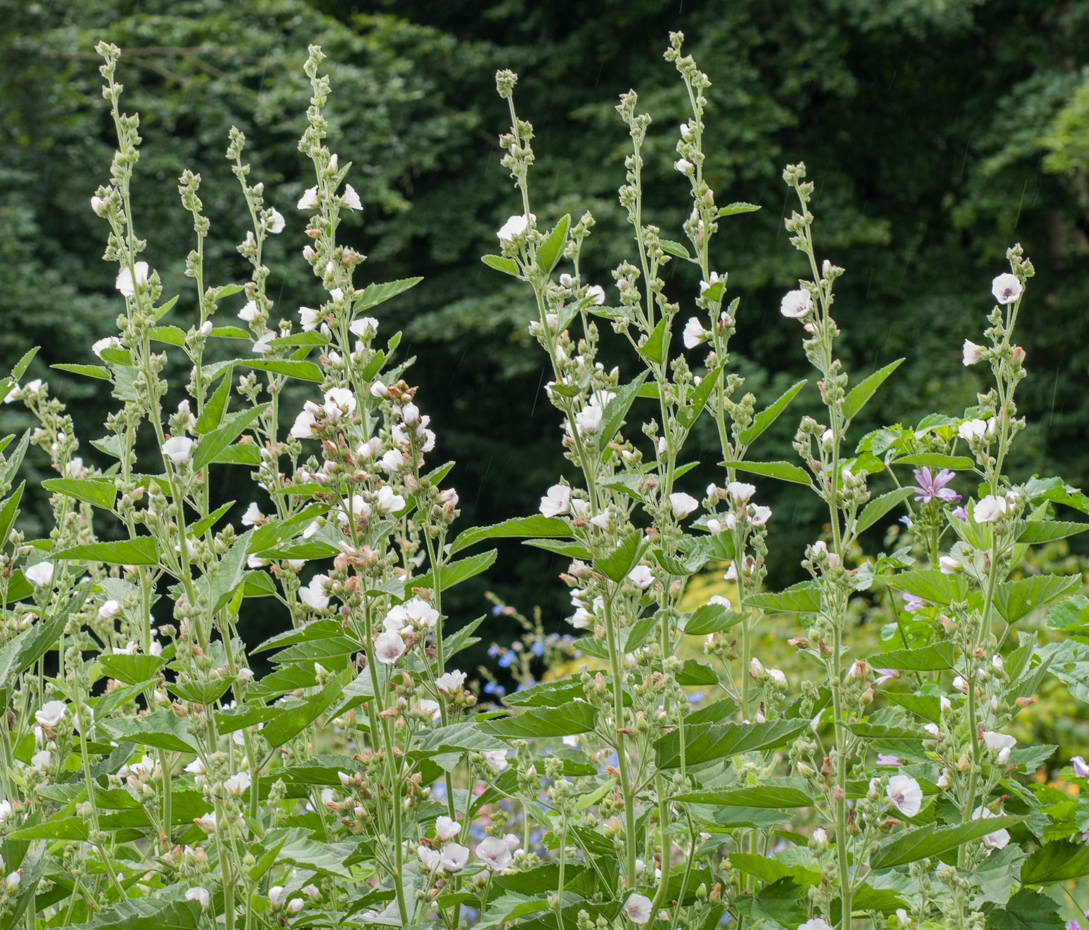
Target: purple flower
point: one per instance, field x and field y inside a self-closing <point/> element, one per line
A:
<point x="961" y="514"/>
<point x="883" y="759"/>
<point x="884" y="674"/>
<point x="1072" y="924"/>
<point x="907" y="521"/>
<point x="1079" y="766"/>
<point x="933" y="487"/>
<point x="913" y="602"/>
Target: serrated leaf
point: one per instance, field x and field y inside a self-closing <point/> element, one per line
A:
<point x="139" y="551"/>
<point x="90" y="371"/>
<point x="656" y="346"/>
<point x="732" y="209"/>
<point x="499" y="263"/>
<point x="566" y="720"/>
<point x="216" y="405"/>
<point x="769" y="415"/>
<point x="23" y="363"/>
<point x="864" y="390"/>
<point x="1015" y="599"/>
<point x="1043" y="531"/>
<point x="720" y="741"/>
<point x="1026" y="910"/>
<point x="570" y="550"/>
<point x="550" y="251"/>
<point x="212" y="444"/>
<point x="131" y="669"/>
<point x="936" y="460"/>
<point x="454" y="573"/>
<point x="1057" y="861"/>
<point x="933" y="840"/>
<point x="101" y="492"/>
<point x="617" y="408"/>
<point x="161" y="729"/>
<point x="375" y="294"/>
<point x="783" y="471"/>
<point x="9" y="510"/>
<point x="675" y="249"/>
<point x="536" y="525"/>
<point x="802" y="597"/>
<point x="879" y="506"/>
<point x="548" y="694"/>
<point x="697" y="400"/>
<point x="1072" y="615"/>
<point x="931" y="585"/>
<point x="924" y="659"/>
<point x="779" y="792"/>
<point x="623" y="558"/>
<point x="711" y="618"/>
<point x="304" y="371"/>
<point x="695" y="674"/>
<point x="171" y="335"/>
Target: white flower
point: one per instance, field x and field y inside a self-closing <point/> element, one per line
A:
<point x="496" y="760"/>
<point x="338" y="402"/>
<point x="728" y="522"/>
<point x="815" y="923"/>
<point x="276" y="221"/>
<point x="97" y="204"/>
<point x="50" y="714"/>
<point x="201" y="895"/>
<point x="313" y="595"/>
<point x="302" y="428"/>
<point x="337" y="294"/>
<point x="944" y="781"/>
<point x="294" y="906"/>
<point x="777" y="676"/>
<point x="178" y="449"/>
<point x="1006" y="288"/>
<point x="446" y="828"/>
<point x="588" y="420"/>
<point x="740" y="491"/>
<point x="109" y="610"/>
<point x="960" y="684"/>
<point x="309" y="200"/>
<point x="641" y="576"/>
<point x="996" y="839"/>
<point x="450" y="682"/>
<point x="905" y="794"/>
<point x="949" y="565"/>
<point x="124" y="282"/>
<point x="276" y="895"/>
<point x="493" y="852"/>
<point x="683" y="165"/>
<point x="110" y="342"/>
<point x="514" y="227"/>
<point x="351" y="198"/>
<point x="971" y="352"/>
<point x="5" y="810"/>
<point x="13" y="882"/>
<point x="638" y="908"/>
<point x="39" y="575"/>
<point x="694" y="333"/>
<point x="431" y="858"/>
<point x="682" y="504"/>
<point x="252" y="516"/>
<point x="686" y="131"/>
<point x="237" y="785"/>
<point x="309" y="318"/>
<point x="421" y="613"/>
<point x="41" y="760"/>
<point x="389" y="647"/>
<point x="196" y="767"/>
<point x="388" y="502"/>
<point x="990" y="509"/>
<point x="970" y="430"/>
<point x="365" y="326"/>
<point x="796" y="304"/>
<point x="432" y="708"/>
<point x="454" y="857"/>
<point x="996" y="742"/>
<point x="596" y="293"/>
<point x="392" y="461"/>
<point x="556" y="501"/>
<point x="249" y="312"/>
<point x="760" y="515"/>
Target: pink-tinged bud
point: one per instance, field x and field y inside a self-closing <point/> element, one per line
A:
<point x="1018" y="355"/>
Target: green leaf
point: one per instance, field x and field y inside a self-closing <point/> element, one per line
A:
<point x="296" y="715"/>
<point x="779" y="792"/>
<point x="139" y="551"/>
<point x="230" y="573"/>
<point x="549" y="694"/>
<point x="879" y="506"/>
<point x="33" y="868"/>
<point x="516" y="527"/>
<point x="617" y="408"/>
<point x="1072" y="615"/>
<point x="697" y="400"/>
<point x="23" y="363"/>
<point x="198" y="528"/>
<point x="934" y="840"/>
<point x="864" y="390"/>
<point x="91" y="371"/>
<point x="304" y="371"/>
<point x="229" y="332"/>
<point x="1057" y="861"/>
<point x="803" y="597"/>
<point x="570" y="550"/>
<point x="695" y="673"/>
<point x="215" y="406"/>
<point x="769" y="415"/>
<point x="298" y="849"/>
<point x="1027" y="910"/>
<point x="710" y="618"/>
<point x="215" y="442"/>
<point x="162" y="311"/>
<point x="732" y="209"/>
<point x="131" y="669"/>
<point x="623" y="558"/>
<point x="537" y="722"/>
<point x="1042" y="531"/>
<point x="21" y="652"/>
<point x="925" y="659"/>
<point x="55" y="828"/>
<point x="783" y="471"/>
<point x="101" y="492"/>
<point x="161" y="729"/>
<point x="550" y="251"/>
<point x="675" y="249"/>
<point x="454" y="573"/>
<point x="656" y="346"/>
<point x="1015" y="599"/>
<point x="171" y="335"/>
<point x="499" y="263"/>
<point x="720" y="741"/>
<point x="10" y="510"/>
<point x="937" y="460"/>
<point x="375" y="294"/>
<point x="931" y="585"/>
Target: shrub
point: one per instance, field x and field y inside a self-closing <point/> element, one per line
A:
<point x="151" y="780"/>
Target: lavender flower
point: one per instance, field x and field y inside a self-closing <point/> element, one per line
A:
<point x="933" y="487"/>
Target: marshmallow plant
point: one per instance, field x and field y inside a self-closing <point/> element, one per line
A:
<point x="151" y="779"/>
<point x="908" y="802"/>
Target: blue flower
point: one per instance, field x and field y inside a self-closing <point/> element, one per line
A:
<point x="506" y="659"/>
<point x="538" y="649"/>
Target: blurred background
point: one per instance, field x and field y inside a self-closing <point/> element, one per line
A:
<point x="938" y="132"/>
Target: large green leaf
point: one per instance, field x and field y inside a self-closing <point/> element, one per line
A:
<point x="720" y="741"/>
<point x="139" y="551"/>
<point x="454" y="573"/>
<point x="933" y="840"/>
<point x="710" y="618"/>
<point x="1014" y="599"/>
<point x="1057" y="861"/>
<point x="656" y="347"/>
<point x="161" y="729"/>
<point x="864" y="390"/>
<point x="212" y="444"/>
<point x="1042" y="531"/>
<point x="101" y="492"/>
<point x="779" y="792"/>
<point x="1027" y="910"/>
<point x="783" y="471"/>
<point x="375" y="294"/>
<point x="32" y="868"/>
<point x="537" y="525"/>
<point x="924" y="659"/>
<point x="538" y="722"/>
<point x="304" y="371"/>
<point x="499" y="263"/>
<point x="769" y="415"/>
<point x="623" y="558"/>
<point x="296" y="715"/>
<point x="931" y="585"/>
<point x="551" y="249"/>
<point x="879" y="506"/>
<point x="616" y="409"/>
<point x="1072" y="615"/>
<point x="803" y="597"/>
<point x="936" y="460"/>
